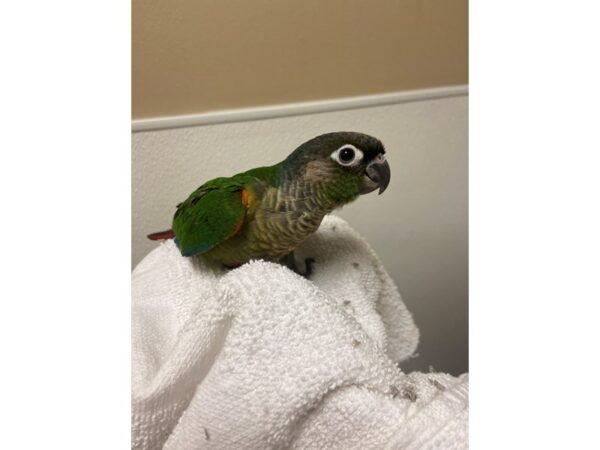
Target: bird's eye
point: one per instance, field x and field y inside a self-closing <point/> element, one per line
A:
<point x="348" y="155"/>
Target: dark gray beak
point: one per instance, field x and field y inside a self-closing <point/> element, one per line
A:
<point x="377" y="175"/>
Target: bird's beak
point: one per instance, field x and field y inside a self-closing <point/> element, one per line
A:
<point x="377" y="175"/>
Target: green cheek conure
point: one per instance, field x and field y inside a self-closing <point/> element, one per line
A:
<point x="265" y="213"/>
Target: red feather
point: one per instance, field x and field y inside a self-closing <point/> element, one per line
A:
<point x="167" y="234"/>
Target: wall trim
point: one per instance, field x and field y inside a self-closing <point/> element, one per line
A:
<point x="296" y="109"/>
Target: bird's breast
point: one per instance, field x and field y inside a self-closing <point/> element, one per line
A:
<point x="283" y="221"/>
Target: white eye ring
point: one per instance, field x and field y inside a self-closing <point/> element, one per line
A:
<point x="342" y="157"/>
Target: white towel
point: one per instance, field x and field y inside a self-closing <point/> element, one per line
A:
<point x="261" y="357"/>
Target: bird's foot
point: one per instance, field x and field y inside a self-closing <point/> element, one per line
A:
<point x="308" y="267"/>
<point x="291" y="262"/>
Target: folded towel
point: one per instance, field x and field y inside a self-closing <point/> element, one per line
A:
<point x="260" y="357"/>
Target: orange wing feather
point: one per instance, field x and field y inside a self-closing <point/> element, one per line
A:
<point x="248" y="198"/>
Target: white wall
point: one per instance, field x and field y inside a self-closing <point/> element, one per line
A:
<point x="418" y="226"/>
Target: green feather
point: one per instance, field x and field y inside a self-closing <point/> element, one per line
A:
<point x="209" y="216"/>
<point x="215" y="211"/>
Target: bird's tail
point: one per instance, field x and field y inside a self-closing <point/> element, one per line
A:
<point x="167" y="234"/>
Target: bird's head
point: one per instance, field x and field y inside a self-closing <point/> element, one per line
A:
<point x="343" y="164"/>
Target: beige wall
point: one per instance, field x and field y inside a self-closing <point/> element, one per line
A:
<point x="192" y="56"/>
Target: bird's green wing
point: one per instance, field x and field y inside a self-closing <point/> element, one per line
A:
<point x="212" y="214"/>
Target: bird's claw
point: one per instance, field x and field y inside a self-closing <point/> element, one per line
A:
<point x="308" y="267"/>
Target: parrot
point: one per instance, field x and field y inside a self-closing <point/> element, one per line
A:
<point x="266" y="212"/>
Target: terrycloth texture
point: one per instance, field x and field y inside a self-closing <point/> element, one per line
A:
<point x="260" y="357"/>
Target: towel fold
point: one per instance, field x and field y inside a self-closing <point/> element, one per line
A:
<point x="260" y="357"/>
